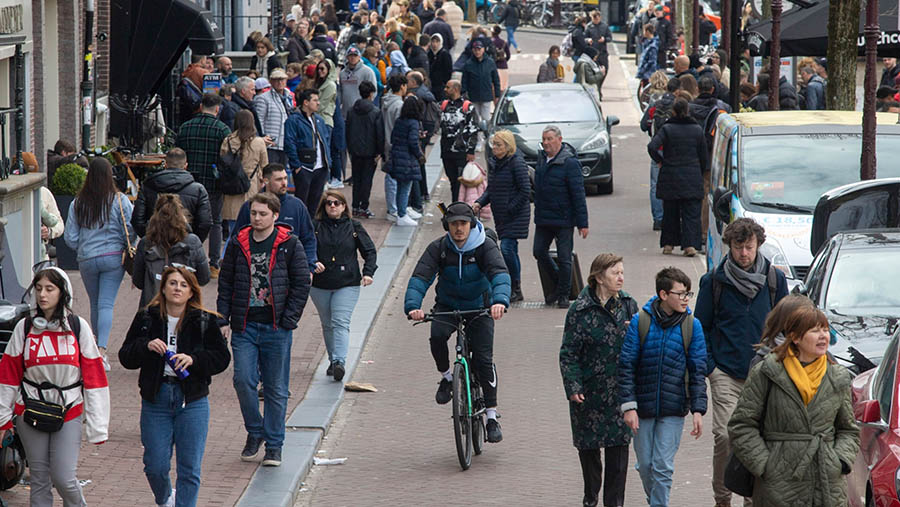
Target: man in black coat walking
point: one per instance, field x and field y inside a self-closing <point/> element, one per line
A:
<point x="365" y="142"/>
<point x="174" y="179"/>
<point x="600" y="35"/>
<point x="440" y="26"/>
<point x="440" y="65"/>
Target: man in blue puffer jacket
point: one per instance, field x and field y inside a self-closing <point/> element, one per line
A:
<point x="652" y="367"/>
<point x="471" y="276"/>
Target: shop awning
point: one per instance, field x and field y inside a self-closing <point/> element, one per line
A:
<point x="804" y="31"/>
<point x="148" y="38"/>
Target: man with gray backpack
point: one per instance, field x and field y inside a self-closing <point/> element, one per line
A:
<point x="732" y="305"/>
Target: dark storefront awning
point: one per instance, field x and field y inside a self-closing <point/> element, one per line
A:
<point x="804" y="32"/>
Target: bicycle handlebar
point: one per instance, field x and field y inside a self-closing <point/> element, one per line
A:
<point x="453" y="313"/>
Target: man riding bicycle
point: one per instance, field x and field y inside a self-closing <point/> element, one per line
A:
<point x="471" y="276"/>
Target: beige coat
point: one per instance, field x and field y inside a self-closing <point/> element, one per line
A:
<point x="254" y="157"/>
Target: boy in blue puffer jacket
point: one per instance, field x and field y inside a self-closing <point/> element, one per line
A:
<point x="662" y="375"/>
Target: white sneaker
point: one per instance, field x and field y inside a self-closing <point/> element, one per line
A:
<point x="335" y="183"/>
<point x="392" y="217"/>
<point x="406" y="221"/>
<point x="411" y="213"/>
<point x="171" y="501"/>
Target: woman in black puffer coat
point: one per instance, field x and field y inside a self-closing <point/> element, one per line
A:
<point x="406" y="155"/>
<point x="683" y="163"/>
<point x="335" y="286"/>
<point x="509" y="194"/>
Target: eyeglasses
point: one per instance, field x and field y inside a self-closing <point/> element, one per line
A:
<point x="330" y="202"/>
<point x="684" y="296"/>
<point x="177" y="265"/>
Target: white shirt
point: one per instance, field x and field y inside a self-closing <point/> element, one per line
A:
<point x="319" y="163"/>
<point x="172" y="343"/>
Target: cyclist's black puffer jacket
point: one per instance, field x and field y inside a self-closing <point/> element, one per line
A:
<point x="288" y="279"/>
<point x="337" y="243"/>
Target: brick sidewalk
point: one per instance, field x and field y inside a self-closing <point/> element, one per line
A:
<point x="115" y="468"/>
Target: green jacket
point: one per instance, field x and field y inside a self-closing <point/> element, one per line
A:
<point x="588" y="361"/>
<point x="798" y="457"/>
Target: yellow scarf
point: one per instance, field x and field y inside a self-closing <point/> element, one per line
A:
<point x="806" y="378"/>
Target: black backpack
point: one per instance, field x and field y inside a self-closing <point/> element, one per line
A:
<point x="232" y="178"/>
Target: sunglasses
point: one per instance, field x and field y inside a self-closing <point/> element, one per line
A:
<point x="177" y="265"/>
<point x="331" y="202"/>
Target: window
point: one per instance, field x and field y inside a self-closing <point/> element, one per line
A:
<point x="884" y="382"/>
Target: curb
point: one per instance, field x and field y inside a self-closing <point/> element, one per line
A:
<point x="308" y="423"/>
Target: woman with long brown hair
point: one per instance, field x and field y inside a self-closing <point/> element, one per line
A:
<point x="335" y="286"/>
<point x="793" y="427"/>
<point x="99" y="219"/>
<point x="178" y="347"/>
<point x="326" y="83"/>
<point x="253" y="158"/>
<point x="168" y="243"/>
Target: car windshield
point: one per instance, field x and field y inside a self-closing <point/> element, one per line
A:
<point x="864" y="282"/>
<point x="797" y="169"/>
<point x="546" y="106"/>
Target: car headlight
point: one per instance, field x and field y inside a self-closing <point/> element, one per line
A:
<point x="773" y="251"/>
<point x="598" y="141"/>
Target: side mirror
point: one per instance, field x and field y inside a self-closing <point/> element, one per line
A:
<point x="800" y="289"/>
<point x="611" y="121"/>
<point x="722" y="204"/>
<point x="868" y="412"/>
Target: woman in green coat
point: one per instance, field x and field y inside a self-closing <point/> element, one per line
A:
<point x="793" y="427"/>
<point x="588" y="359"/>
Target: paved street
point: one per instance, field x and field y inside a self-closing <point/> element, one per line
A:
<point x="399" y="443"/>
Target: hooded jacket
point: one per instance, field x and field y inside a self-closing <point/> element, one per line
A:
<point x="398" y="64"/>
<point x="815" y="93"/>
<point x="480" y="80"/>
<point x="350" y="80"/>
<point x="54" y="354"/>
<point x="559" y="199"/>
<point x="322" y="43"/>
<point x="193" y="197"/>
<point x="469" y="278"/>
<point x="442" y="28"/>
<point x="365" y="130"/>
<point x="289" y="280"/>
<point x="651" y="375"/>
<point x="649" y="58"/>
<point x="683" y="160"/>
<point x="440" y="70"/>
<point x="787" y="95"/>
<point x="294" y="214"/>
<point x="203" y="342"/>
<point x="390" y="112"/>
<point x="418" y="59"/>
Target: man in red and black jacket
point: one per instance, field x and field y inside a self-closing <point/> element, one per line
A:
<point x="263" y="286"/>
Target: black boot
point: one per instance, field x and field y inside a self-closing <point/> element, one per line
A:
<point x="516" y="292"/>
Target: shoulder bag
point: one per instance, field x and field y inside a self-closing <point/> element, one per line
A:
<point x="130" y="250"/>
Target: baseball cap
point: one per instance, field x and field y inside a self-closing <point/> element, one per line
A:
<point x="262" y="83"/>
<point x="660" y="8"/>
<point x="478" y="45"/>
<point x="290" y="17"/>
<point x="353" y="51"/>
<point x="460" y="211"/>
<point x="278" y="74"/>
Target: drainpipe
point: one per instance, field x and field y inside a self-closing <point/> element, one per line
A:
<point x="87" y="86"/>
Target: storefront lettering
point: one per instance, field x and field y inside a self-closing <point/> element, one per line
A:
<point x="11" y="19"/>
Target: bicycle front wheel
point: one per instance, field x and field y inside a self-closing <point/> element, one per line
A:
<point x="462" y="423"/>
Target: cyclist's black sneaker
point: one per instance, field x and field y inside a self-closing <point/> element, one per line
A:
<point x="339" y="371"/>
<point x="493" y="431"/>
<point x="251" y="448"/>
<point x="272" y="458"/>
<point x="442" y="396"/>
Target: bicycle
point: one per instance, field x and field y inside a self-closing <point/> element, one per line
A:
<point x="467" y="398"/>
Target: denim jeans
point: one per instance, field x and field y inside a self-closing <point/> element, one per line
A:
<point x="655" y="444"/>
<point x="509" y="247"/>
<point x="102" y="277"/>
<point x="260" y="349"/>
<point x="656" y="205"/>
<point x="167" y="421"/>
<point x="216" y="201"/>
<point x="510" y="37"/>
<point x="335" y="308"/>
<point x="390" y="194"/>
<point x="562" y="269"/>
<point x="403" y="189"/>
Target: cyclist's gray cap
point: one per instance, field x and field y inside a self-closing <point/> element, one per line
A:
<point x="460" y="211"/>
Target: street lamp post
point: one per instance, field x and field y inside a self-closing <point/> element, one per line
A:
<point x="557" y="14"/>
<point x="775" y="56"/>
<point x="725" y="39"/>
<point x="695" y="28"/>
<point x="734" y="57"/>
<point x="872" y="31"/>
<point x="87" y="85"/>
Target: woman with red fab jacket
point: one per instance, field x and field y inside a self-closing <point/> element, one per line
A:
<point x="53" y="381"/>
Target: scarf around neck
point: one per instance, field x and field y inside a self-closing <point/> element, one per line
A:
<point x="806" y="378"/>
<point x="666" y="321"/>
<point x="747" y="283"/>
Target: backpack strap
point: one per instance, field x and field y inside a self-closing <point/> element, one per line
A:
<point x="772" y="282"/>
<point x="444" y="104"/>
<point x="465" y="106"/>
<point x="643" y="326"/>
<point x="687" y="333"/>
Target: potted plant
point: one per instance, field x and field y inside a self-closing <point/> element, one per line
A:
<point x="66" y="184"/>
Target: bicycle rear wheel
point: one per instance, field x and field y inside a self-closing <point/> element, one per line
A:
<point x="462" y="423"/>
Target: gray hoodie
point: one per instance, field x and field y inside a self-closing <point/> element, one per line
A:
<point x="350" y="80"/>
<point x="390" y="111"/>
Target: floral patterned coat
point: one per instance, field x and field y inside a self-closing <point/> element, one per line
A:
<point x="588" y="361"/>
